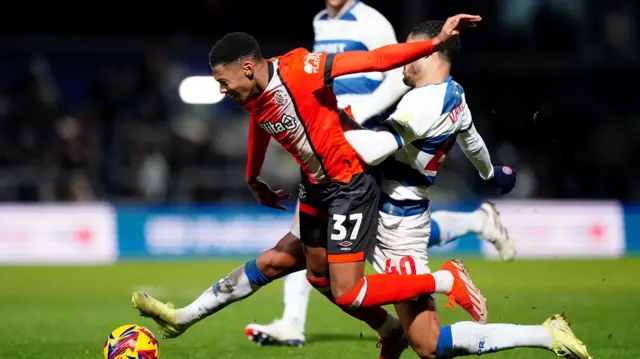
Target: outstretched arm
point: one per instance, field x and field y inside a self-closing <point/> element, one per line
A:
<point x="379" y="60"/>
<point x="392" y="56"/>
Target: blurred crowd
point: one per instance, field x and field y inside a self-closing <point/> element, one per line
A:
<point x="127" y="137"/>
<point x="118" y="131"/>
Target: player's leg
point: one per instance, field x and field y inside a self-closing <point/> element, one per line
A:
<point x="313" y="224"/>
<point x="421" y="325"/>
<point x="296" y="299"/>
<point x="400" y="249"/>
<point x="314" y="232"/>
<point x="468" y="338"/>
<point x="288" y="330"/>
<point x="284" y="258"/>
<point x="485" y="222"/>
<point x="352" y="226"/>
<point x="296" y="291"/>
<point x="431" y="340"/>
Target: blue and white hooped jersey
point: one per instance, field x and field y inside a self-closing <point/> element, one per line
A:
<point x="360" y="28"/>
<point x="426" y="124"/>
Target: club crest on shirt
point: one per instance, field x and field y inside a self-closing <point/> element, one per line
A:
<point x="280" y="98"/>
<point x="302" y="192"/>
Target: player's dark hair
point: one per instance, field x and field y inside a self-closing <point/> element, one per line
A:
<point x="233" y="47"/>
<point x="431" y="29"/>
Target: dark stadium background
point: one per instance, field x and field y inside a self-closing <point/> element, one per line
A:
<point x="110" y="183"/>
<point x="87" y="95"/>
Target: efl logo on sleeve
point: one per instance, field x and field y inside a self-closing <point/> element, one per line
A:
<point x="402" y="117"/>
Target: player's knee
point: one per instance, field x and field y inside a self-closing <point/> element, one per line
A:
<point x="437" y="345"/>
<point x="350" y="297"/>
<point x="342" y="294"/>
<point x="426" y="346"/>
<point x="273" y="264"/>
<point x="285" y="258"/>
<point x="347" y="282"/>
<point x="422" y="326"/>
<point x="267" y="261"/>
<point x="316" y="262"/>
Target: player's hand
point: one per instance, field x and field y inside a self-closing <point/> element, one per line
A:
<point x="454" y="25"/>
<point x="266" y="196"/>
<point x="504" y="177"/>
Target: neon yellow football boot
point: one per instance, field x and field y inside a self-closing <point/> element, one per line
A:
<point x="564" y="342"/>
<point x="165" y="315"/>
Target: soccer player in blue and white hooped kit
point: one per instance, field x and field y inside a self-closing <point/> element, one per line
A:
<point x="409" y="146"/>
<point x="351" y="25"/>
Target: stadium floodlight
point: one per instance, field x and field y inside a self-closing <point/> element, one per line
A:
<point x="200" y="90"/>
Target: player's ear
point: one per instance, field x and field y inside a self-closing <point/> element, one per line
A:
<point x="247" y="68"/>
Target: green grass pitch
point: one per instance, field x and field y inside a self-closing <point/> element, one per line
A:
<point x="67" y="312"/>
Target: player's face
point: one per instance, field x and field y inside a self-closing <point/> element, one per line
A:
<point x="411" y="71"/>
<point x="236" y="81"/>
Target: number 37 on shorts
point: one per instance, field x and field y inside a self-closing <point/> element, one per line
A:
<point x="346" y="219"/>
<point x="345" y="229"/>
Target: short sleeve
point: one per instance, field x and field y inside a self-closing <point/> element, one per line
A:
<point x="413" y="117"/>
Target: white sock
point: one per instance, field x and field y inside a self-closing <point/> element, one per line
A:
<point x="231" y="288"/>
<point x="444" y="281"/>
<point x="472" y="338"/>
<point x="296" y="299"/>
<point x="454" y="225"/>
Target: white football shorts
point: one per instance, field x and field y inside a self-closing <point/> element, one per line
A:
<point x="401" y="246"/>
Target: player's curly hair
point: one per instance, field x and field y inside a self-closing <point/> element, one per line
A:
<point x="233" y="47"/>
<point x="431" y="29"/>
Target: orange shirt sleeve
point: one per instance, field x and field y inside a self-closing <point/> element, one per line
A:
<point x="379" y="60"/>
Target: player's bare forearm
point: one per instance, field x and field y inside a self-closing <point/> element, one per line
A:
<point x="476" y="151"/>
<point x="381" y="59"/>
<point x="257" y="150"/>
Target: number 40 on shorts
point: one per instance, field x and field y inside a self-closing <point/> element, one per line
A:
<point x="405" y="266"/>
